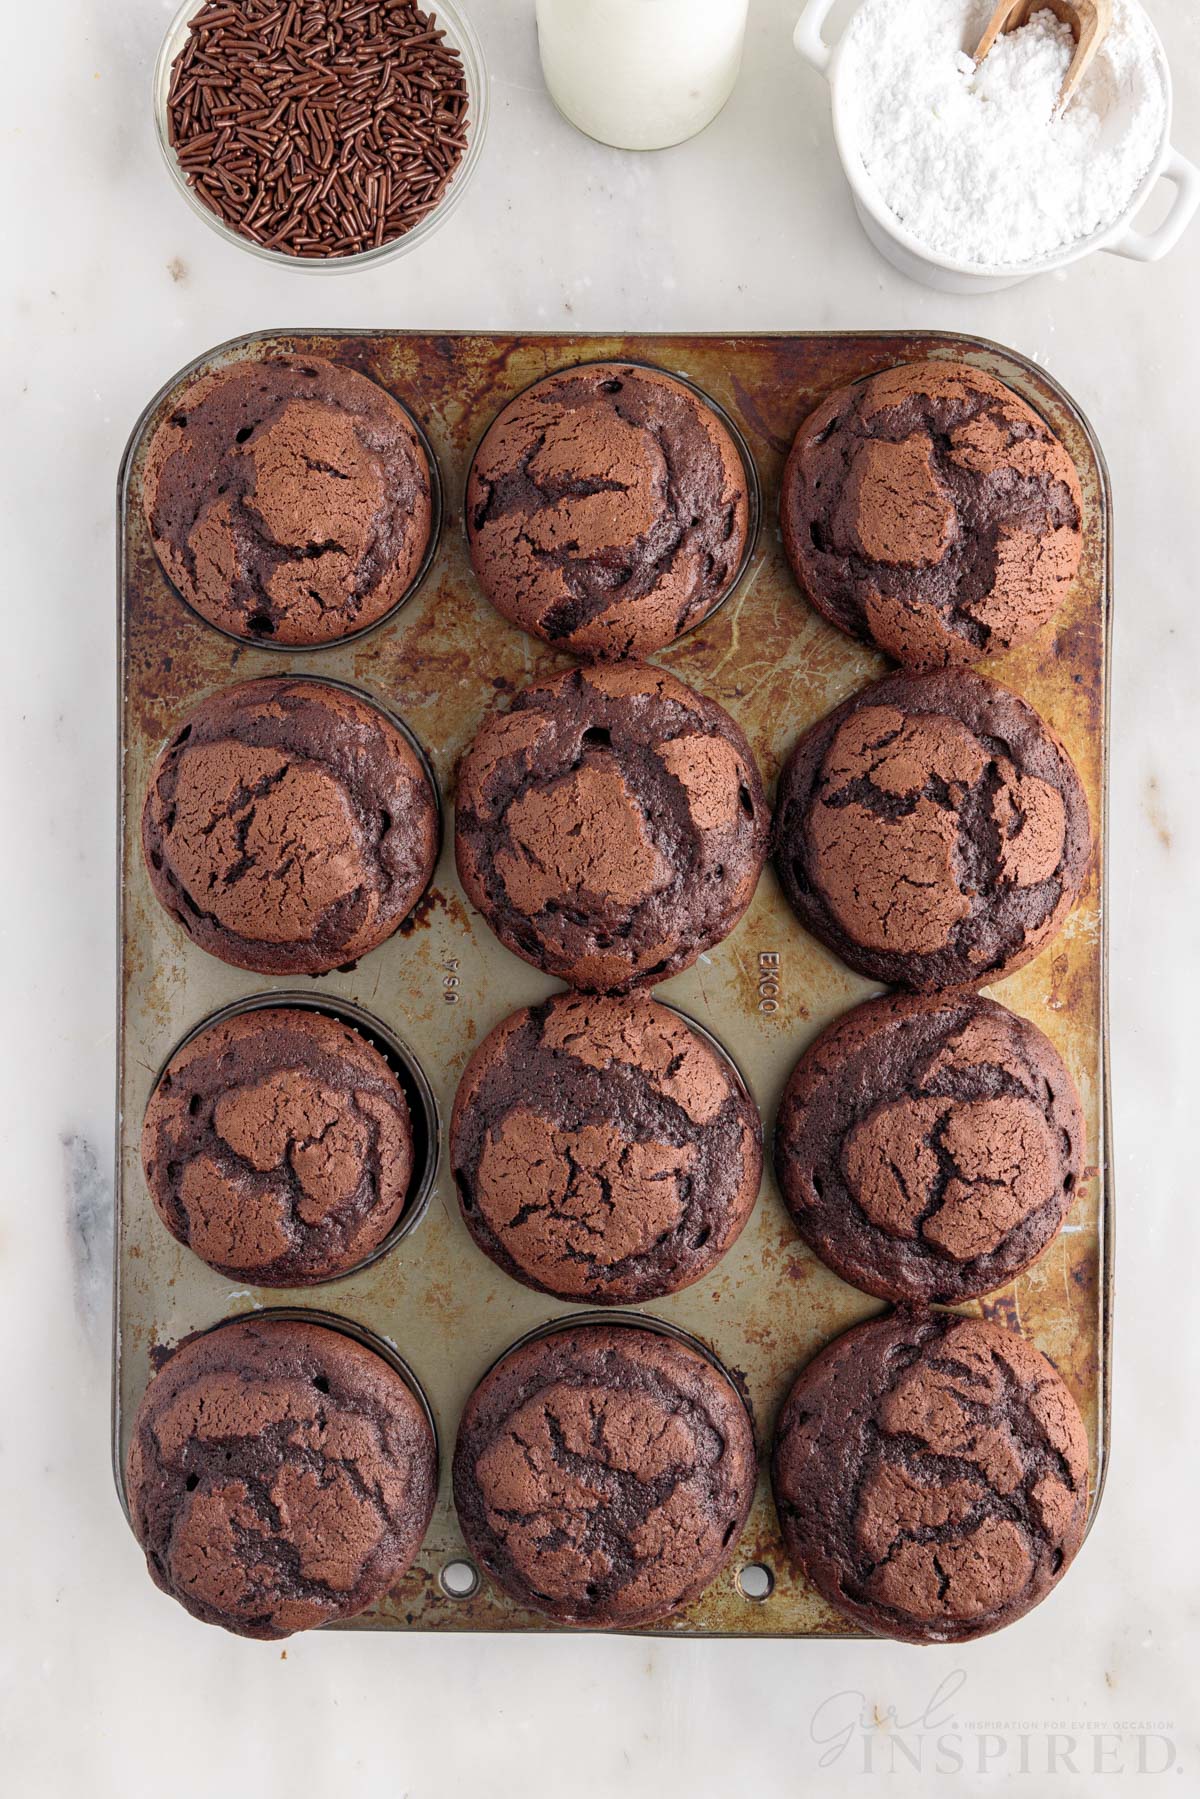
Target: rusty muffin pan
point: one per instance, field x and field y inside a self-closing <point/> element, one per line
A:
<point x="434" y="989"/>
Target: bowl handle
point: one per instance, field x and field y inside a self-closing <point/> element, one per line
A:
<point x="1148" y="246"/>
<point x="807" y="35"/>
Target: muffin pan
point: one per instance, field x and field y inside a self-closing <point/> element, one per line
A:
<point x="443" y="981"/>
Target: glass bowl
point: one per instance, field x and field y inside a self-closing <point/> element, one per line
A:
<point x="460" y="35"/>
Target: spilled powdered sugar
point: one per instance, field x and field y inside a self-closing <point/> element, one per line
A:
<point x="973" y="160"/>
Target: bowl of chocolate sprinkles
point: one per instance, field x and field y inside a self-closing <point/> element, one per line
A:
<point x="324" y="134"/>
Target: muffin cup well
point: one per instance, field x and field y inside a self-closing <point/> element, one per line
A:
<point x="712" y="1560"/>
<point x="749" y="473"/>
<point x="498" y="1249"/>
<point x="181" y="729"/>
<point x="436" y="519"/>
<point x="419" y="1095"/>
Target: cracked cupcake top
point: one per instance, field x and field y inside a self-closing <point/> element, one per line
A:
<point x="607" y="510"/>
<point x="603" y="1150"/>
<point x="280" y="1476"/>
<point x="929" y="1149"/>
<point x="278" y="1146"/>
<point x="289" y="826"/>
<point x="931" y="1476"/>
<point x="932" y="831"/>
<point x="610" y="826"/>
<point x="603" y="1476"/>
<point x="289" y="500"/>
<point x="931" y="512"/>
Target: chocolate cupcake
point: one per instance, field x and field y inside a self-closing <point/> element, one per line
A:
<point x="278" y="1146"/>
<point x="281" y="1476"/>
<point x="932" y="831"/>
<point x="603" y="1149"/>
<point x="611" y="826"/>
<point x="931" y="1476"/>
<point x="289" y="500"/>
<point x="931" y="512"/>
<point x="929" y="1149"/>
<point x="607" y="510"/>
<point x="602" y="1476"/>
<point x="289" y="826"/>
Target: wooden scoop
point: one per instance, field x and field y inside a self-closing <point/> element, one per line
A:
<point x="1090" y="20"/>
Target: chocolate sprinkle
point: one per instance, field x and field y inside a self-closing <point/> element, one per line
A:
<point x="318" y="128"/>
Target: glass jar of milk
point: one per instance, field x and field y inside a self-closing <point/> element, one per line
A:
<point x="641" y="74"/>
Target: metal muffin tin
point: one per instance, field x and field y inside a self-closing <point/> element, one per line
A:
<point x="443" y="981"/>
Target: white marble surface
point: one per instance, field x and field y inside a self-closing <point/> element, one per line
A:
<point x="109" y="284"/>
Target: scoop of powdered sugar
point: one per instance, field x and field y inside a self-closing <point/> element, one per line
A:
<point x="973" y="160"/>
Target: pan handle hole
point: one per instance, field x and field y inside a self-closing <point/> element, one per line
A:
<point x="459" y="1580"/>
<point x="756" y="1581"/>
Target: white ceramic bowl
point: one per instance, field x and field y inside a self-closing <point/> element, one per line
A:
<point x="460" y="35"/>
<point x="913" y="259"/>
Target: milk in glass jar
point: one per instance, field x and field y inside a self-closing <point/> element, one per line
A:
<point x="641" y="74"/>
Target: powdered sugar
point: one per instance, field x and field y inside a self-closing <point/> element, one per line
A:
<point x="972" y="160"/>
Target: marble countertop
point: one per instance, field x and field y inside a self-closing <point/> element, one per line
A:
<point x="110" y="284"/>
